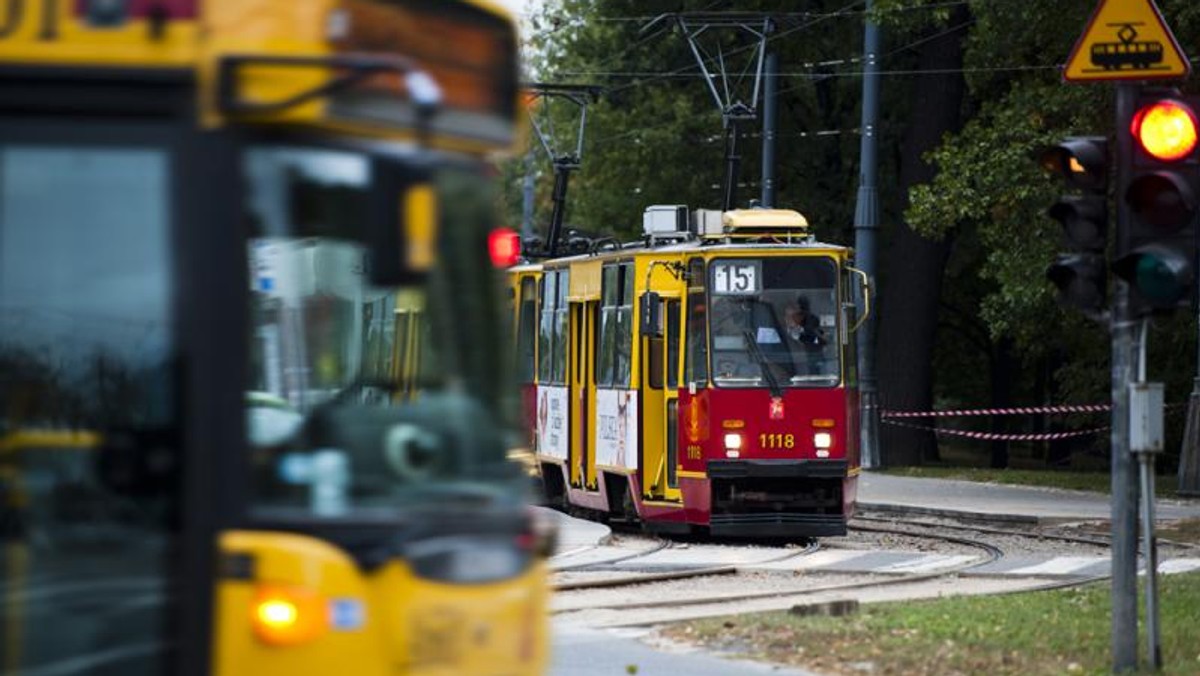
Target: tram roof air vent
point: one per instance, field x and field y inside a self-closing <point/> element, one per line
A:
<point x="665" y="219"/>
<point x="763" y="220"/>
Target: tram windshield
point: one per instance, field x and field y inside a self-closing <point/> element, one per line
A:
<point x="353" y="393"/>
<point x="774" y="322"/>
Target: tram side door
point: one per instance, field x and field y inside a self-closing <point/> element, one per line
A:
<point x="582" y="471"/>
<point x="660" y="397"/>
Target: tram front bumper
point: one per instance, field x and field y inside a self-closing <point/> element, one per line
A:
<point x="777" y="498"/>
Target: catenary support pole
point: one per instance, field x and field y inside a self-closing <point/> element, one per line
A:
<point x="770" y="117"/>
<point x="866" y="228"/>
<point x="1124" y="482"/>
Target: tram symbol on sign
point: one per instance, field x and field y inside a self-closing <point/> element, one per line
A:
<point x="1128" y="52"/>
<point x="1126" y="40"/>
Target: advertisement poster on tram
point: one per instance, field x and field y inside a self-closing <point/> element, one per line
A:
<point x="552" y="421"/>
<point x="616" y="428"/>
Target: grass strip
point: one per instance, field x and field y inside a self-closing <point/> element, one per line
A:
<point x="1055" y="632"/>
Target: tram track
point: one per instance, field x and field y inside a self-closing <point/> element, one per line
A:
<point x="992" y="555"/>
<point x="667" y="576"/>
<point x="659" y="545"/>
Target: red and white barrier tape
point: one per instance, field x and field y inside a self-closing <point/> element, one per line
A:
<point x="998" y="436"/>
<point x="1019" y="410"/>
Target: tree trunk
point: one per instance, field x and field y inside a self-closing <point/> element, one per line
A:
<point x="1003" y="364"/>
<point x="909" y="307"/>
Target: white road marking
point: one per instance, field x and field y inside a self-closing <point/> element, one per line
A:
<point x="1059" y="565"/>
<point x="926" y="563"/>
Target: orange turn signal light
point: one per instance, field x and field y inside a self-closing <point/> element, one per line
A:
<point x="823" y="422"/>
<point x="285" y="616"/>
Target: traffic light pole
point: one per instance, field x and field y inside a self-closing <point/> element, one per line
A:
<point x="1124" y="487"/>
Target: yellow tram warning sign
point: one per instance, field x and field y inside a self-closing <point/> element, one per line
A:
<point x="1126" y="40"/>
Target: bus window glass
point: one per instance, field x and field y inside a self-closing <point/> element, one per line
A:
<point x="87" y="352"/>
<point x="775" y="318"/>
<point x="324" y="391"/>
<point x="696" y="357"/>
<point x="526" y="330"/>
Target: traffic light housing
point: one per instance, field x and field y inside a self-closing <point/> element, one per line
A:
<point x="1080" y="275"/>
<point x="1157" y="255"/>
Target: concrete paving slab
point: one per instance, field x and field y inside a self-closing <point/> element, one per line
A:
<point x="994" y="502"/>
<point x="576" y="534"/>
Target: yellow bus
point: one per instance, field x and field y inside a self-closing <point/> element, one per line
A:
<point x="252" y="406"/>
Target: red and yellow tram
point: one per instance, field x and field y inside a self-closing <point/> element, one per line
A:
<point x="702" y="379"/>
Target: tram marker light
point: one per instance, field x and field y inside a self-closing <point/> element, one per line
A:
<point x="733" y="441"/>
<point x="823" y="440"/>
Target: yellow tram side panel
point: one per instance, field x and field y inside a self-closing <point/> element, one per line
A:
<point x="388" y="621"/>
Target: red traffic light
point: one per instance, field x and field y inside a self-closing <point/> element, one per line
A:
<point x="1165" y="130"/>
<point x="504" y="247"/>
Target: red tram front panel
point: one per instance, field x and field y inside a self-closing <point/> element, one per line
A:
<point x="756" y="464"/>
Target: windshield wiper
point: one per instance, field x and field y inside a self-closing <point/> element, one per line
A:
<point x="756" y="352"/>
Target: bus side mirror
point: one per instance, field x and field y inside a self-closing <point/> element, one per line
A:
<point x="402" y="224"/>
<point x="651" y="315"/>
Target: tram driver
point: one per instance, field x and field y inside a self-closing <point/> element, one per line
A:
<point x="804" y="333"/>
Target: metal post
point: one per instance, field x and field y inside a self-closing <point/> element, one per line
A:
<point x="732" y="162"/>
<point x="1150" y="545"/>
<point x="770" y="115"/>
<point x="527" y="199"/>
<point x="1153" y="642"/>
<point x="866" y="227"/>
<point x="1189" y="452"/>
<point x="1124" y="483"/>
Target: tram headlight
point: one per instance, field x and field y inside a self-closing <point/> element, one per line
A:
<point x="733" y="441"/>
<point x="823" y="440"/>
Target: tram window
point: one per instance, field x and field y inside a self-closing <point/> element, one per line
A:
<point x="546" y="329"/>
<point x="616" y="326"/>
<point x="673" y="344"/>
<point x="561" y="330"/>
<point x="526" y="331"/>
<point x="606" y="354"/>
<point x="781" y="324"/>
<point x="624" y="365"/>
<point x="654" y="362"/>
<point x="696" y="357"/>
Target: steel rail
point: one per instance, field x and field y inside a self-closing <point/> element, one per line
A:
<point x="666" y="576"/>
<point x="994" y="554"/>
